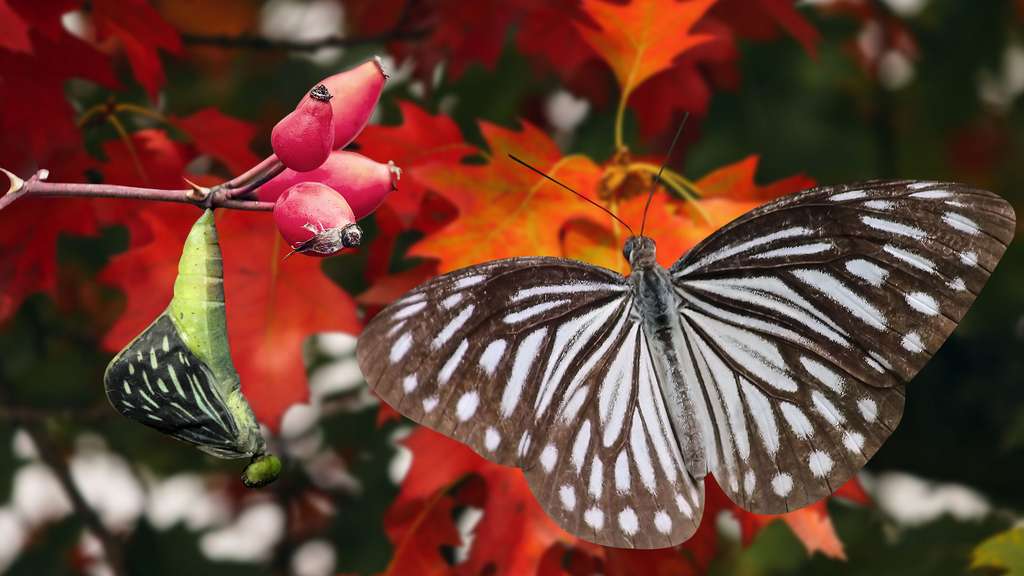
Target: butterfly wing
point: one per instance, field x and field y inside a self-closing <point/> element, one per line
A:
<point x="159" y="382"/>
<point x="541" y="363"/>
<point x="806" y="317"/>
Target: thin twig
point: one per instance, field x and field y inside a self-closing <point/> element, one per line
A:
<point x="230" y="194"/>
<point x="52" y="457"/>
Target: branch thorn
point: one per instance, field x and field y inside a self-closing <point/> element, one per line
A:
<point x="196" y="193"/>
<point x="16" y="183"/>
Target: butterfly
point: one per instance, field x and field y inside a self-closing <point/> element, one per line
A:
<point x="177" y="376"/>
<point x="773" y="355"/>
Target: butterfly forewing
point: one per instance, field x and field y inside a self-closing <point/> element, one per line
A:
<point x="158" y="381"/>
<point x="541" y="363"/>
<point x="805" y="318"/>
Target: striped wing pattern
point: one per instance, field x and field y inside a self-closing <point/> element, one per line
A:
<point x="806" y="317"/>
<point x="542" y="363"/>
<point x="159" y="382"/>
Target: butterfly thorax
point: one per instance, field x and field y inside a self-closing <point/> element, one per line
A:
<point x="657" y="304"/>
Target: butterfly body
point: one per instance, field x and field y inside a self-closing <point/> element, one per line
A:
<point x="772" y="356"/>
<point x="656" y="304"/>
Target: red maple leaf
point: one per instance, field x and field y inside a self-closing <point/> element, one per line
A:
<point x="272" y="305"/>
<point x="763" y="19"/>
<point x="419" y="140"/>
<point x="142" y="32"/>
<point x="225" y="138"/>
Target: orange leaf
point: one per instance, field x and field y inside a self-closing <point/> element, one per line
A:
<point x="272" y="306"/>
<point x="672" y="223"/>
<point x="813" y="527"/>
<point x="642" y="38"/>
<point x="504" y="209"/>
<point x="737" y="182"/>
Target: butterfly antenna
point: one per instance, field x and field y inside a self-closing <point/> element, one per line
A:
<point x="657" y="179"/>
<point x="610" y="213"/>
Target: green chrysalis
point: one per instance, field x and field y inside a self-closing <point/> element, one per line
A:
<point x="177" y="375"/>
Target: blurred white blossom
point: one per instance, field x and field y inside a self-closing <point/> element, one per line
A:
<point x="251" y="538"/>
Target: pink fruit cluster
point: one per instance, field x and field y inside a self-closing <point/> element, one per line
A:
<point x="324" y="190"/>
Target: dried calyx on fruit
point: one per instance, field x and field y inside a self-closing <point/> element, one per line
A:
<point x="304" y="138"/>
<point x="177" y="376"/>
<point x="316" y="220"/>
<point x="362" y="181"/>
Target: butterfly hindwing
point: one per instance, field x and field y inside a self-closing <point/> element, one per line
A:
<point x="806" y="317"/>
<point x="158" y="381"/>
<point x="541" y="363"/>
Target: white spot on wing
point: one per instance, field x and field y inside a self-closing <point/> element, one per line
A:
<point x="851" y="195"/>
<point x="567" y="495"/>
<point x="453" y="362"/>
<point x="532" y="311"/>
<point x="867" y="271"/>
<point x="662" y="522"/>
<point x="797" y="420"/>
<point x="827" y="410"/>
<point x="622" y="473"/>
<point x="628" y="521"/>
<point x="868" y="409"/>
<point x="580" y="445"/>
<point x="820" y="464"/>
<point x="469" y="281"/>
<point x="594" y="518"/>
<point x="969" y="258"/>
<point x="799" y="250"/>
<point x="429" y="404"/>
<point x="453" y="326"/>
<point x="409" y="310"/>
<point x="549" y="457"/>
<point x="596" y="484"/>
<point x="853" y="441"/>
<point x="491" y="439"/>
<point x="467" y="406"/>
<point x="782" y="484"/>
<point x="912" y="342"/>
<point x="492" y="356"/>
<point x="452" y="300"/>
<point x="409" y="383"/>
<point x="897" y="228"/>
<point x="923" y="303"/>
<point x="400" y="347"/>
<point x="830" y="379"/>
<point x="919" y="262"/>
<point x="528" y="351"/>
<point x="961" y="223"/>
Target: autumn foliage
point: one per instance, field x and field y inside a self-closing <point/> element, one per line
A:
<point x="460" y="201"/>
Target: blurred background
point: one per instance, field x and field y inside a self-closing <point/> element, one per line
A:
<point x="129" y="92"/>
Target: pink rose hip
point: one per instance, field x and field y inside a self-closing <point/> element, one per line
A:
<point x="356" y="93"/>
<point x="304" y="138"/>
<point x="364" y="182"/>
<point x="314" y="219"/>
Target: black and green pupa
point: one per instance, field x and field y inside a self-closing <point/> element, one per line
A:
<point x="177" y="375"/>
